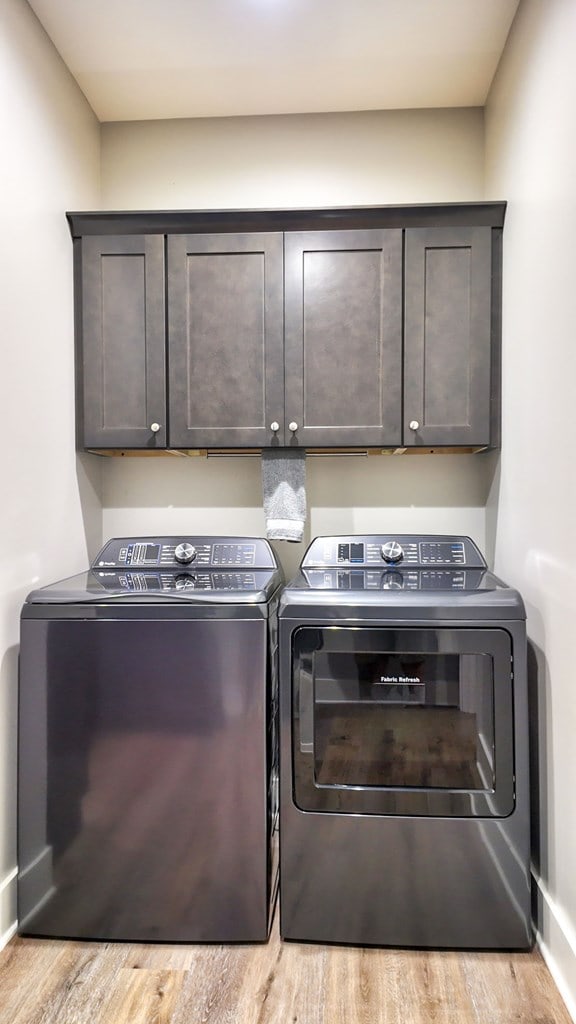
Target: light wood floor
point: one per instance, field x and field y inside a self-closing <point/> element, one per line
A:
<point x="45" y="981"/>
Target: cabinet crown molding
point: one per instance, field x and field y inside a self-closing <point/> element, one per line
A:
<point x="115" y="222"/>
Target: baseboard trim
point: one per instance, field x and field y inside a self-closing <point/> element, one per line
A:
<point x="556" y="939"/>
<point x="8" y="922"/>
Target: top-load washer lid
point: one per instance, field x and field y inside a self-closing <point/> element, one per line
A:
<point x="198" y="568"/>
<point x="435" y="572"/>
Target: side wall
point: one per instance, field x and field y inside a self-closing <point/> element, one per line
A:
<point x="531" y="159"/>
<point x="50" y="506"/>
<point x="296" y="161"/>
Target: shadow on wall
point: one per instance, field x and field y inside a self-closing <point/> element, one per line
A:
<point x="541" y="827"/>
<point x="493" y="471"/>
<point x="374" y="481"/>
<point x="345" y="494"/>
<point x="89" y="477"/>
<point x="8" y="766"/>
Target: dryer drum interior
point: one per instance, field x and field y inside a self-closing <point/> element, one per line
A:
<point x="404" y="780"/>
<point x="403" y="721"/>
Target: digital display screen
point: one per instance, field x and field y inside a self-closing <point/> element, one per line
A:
<point x="351" y="552"/>
<point x="143" y="554"/>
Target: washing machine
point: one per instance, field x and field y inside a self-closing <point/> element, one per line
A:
<point x="147" y="780"/>
<point x="404" y="800"/>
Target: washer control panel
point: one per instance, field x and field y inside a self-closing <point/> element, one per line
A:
<point x="134" y="581"/>
<point x="394" y="579"/>
<point x="408" y="551"/>
<point x="171" y="553"/>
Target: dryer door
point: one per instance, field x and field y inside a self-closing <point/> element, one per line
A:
<point x="403" y="721"/>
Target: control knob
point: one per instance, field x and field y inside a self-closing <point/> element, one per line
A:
<point x="185" y="553"/>
<point x="392" y="552"/>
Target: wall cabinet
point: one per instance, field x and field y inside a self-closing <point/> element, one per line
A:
<point x="225" y="338"/>
<point x="448" y="353"/>
<point x="344" y="335"/>
<point x="121" y="350"/>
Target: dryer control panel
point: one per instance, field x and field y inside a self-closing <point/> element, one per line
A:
<point x="394" y="562"/>
<point x="171" y="553"/>
<point x="408" y="551"/>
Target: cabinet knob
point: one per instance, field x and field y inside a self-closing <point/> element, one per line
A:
<point x="293" y="426"/>
<point x="414" y="425"/>
<point x="154" y="427"/>
<point x="274" y="427"/>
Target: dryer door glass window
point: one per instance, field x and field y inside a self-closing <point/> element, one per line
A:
<point x="403" y="721"/>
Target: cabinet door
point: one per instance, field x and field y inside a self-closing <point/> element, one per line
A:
<point x="447" y="336"/>
<point x="343" y="337"/>
<point x="122" y="377"/>
<point x="225" y="340"/>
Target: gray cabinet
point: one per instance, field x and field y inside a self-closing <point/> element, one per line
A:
<point x="374" y="329"/>
<point x="447" y="336"/>
<point x="121" y="393"/>
<point x="225" y="336"/>
<point x="343" y="338"/>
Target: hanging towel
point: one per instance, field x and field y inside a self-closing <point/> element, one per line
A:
<point x="284" y="491"/>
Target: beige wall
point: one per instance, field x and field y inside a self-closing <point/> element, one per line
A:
<point x="375" y="157"/>
<point x="296" y="161"/>
<point x="531" y="160"/>
<point x="50" y="510"/>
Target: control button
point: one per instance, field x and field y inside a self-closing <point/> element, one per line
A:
<point x="185" y="553"/>
<point x="391" y="551"/>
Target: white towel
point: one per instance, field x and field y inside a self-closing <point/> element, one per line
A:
<point x="284" y="492"/>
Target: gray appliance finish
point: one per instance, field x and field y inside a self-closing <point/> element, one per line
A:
<point x="404" y="806"/>
<point x="147" y="796"/>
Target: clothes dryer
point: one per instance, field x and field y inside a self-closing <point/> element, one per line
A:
<point x="403" y="747"/>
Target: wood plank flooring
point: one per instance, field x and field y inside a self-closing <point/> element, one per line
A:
<point x="47" y="981"/>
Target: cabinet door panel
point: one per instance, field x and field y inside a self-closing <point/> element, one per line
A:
<point x="225" y="339"/>
<point x="343" y="337"/>
<point x="122" y="351"/>
<point x="447" y="336"/>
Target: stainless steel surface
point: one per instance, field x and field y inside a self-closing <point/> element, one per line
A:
<point x="147" y="751"/>
<point x="427" y="846"/>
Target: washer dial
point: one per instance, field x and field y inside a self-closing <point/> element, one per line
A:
<point x="184" y="553"/>
<point x="392" y="552"/>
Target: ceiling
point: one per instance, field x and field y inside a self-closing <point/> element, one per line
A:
<point x="147" y="59"/>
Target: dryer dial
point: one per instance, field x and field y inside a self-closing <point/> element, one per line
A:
<point x="392" y="552"/>
<point x="184" y="553"/>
